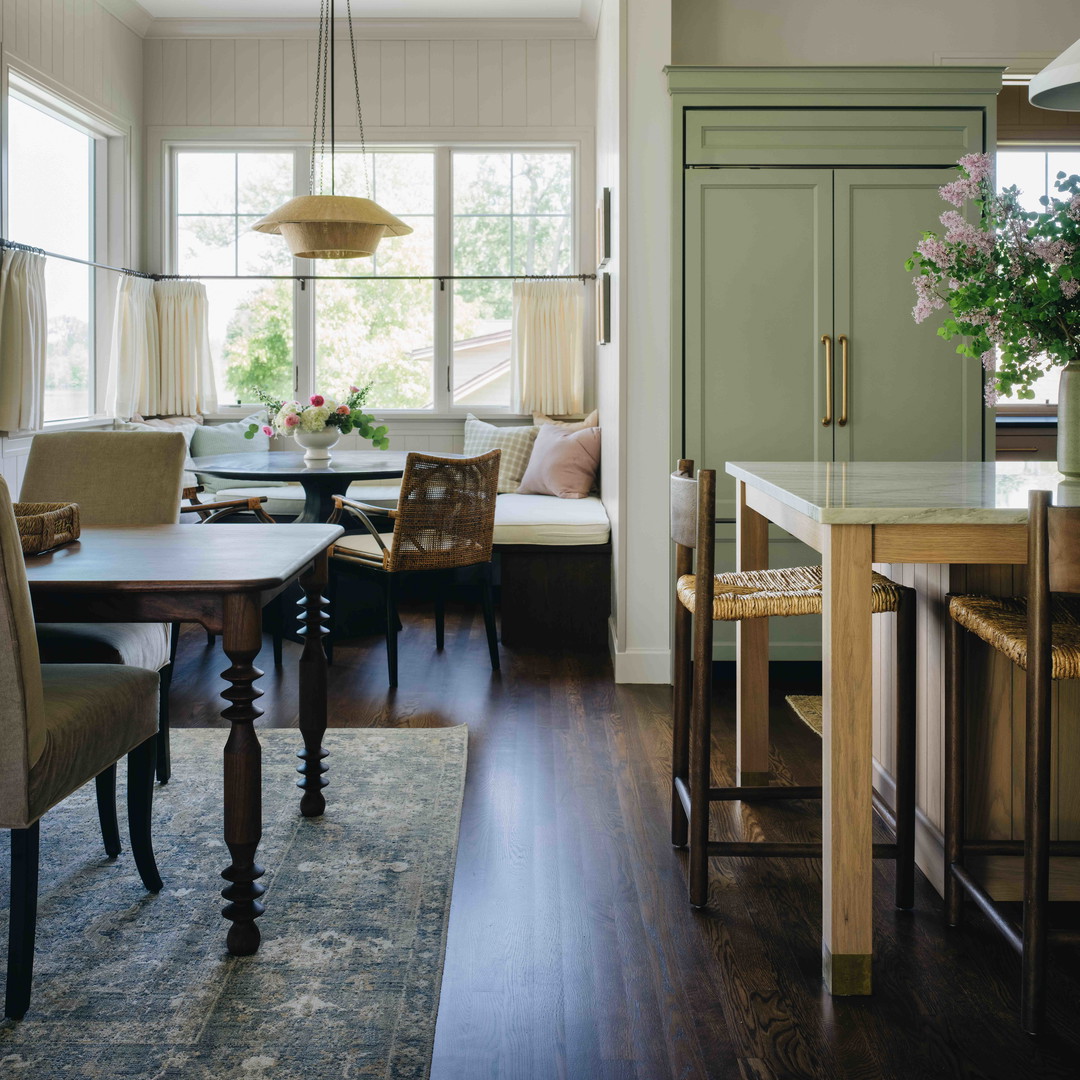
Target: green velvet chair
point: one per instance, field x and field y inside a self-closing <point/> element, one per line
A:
<point x="62" y="725"/>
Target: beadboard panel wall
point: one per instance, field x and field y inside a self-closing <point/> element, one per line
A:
<point x="247" y="82"/>
<point x="80" y="45"/>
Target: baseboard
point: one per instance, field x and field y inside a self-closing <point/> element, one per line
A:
<point x="929" y="842"/>
<point x="639" y="665"/>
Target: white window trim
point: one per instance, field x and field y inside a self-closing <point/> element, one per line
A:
<point x="113" y="188"/>
<point x="164" y="143"/>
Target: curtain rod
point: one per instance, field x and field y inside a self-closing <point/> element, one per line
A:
<point x="302" y="278"/>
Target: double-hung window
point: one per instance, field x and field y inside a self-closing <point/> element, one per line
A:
<point x="428" y="344"/>
<point x="56" y="200"/>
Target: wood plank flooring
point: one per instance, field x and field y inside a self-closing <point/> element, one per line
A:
<point x="572" y="952"/>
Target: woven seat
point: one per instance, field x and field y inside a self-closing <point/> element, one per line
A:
<point x="755" y="594"/>
<point x="1001" y="621"/>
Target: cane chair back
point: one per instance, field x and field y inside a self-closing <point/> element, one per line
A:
<point x="446" y="513"/>
<point x="116" y="477"/>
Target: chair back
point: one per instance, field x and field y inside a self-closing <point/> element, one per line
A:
<point x="446" y="512"/>
<point x="116" y="477"/>
<point x="22" y="710"/>
<point x="684" y="504"/>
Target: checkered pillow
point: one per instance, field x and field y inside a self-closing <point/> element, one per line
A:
<point x="516" y="444"/>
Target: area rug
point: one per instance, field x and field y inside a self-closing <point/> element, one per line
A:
<point x="346" y="983"/>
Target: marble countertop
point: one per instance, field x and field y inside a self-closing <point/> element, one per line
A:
<point x="908" y="492"/>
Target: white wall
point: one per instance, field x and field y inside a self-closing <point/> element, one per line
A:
<point x="739" y="32"/>
<point x="80" y="50"/>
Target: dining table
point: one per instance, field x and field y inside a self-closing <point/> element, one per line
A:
<point x="219" y="577"/>
<point x="857" y="514"/>
<point x="320" y="479"/>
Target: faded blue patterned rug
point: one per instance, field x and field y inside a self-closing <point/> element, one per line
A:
<point x="346" y="983"/>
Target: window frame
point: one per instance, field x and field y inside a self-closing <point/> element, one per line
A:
<point x="304" y="329"/>
<point x="111" y="210"/>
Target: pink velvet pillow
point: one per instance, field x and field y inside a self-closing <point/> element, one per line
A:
<point x="563" y="463"/>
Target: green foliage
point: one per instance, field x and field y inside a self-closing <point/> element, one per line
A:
<point x="284" y="417"/>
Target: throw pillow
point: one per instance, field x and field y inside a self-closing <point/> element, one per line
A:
<point x="514" y="442"/>
<point x="592" y="420"/>
<point x="563" y="463"/>
<point x="214" y="439"/>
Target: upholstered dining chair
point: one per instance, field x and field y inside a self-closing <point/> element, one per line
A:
<point x="61" y="725"/>
<point x="702" y="597"/>
<point x="445" y="519"/>
<point x="117" y="478"/>
<point x="1040" y="634"/>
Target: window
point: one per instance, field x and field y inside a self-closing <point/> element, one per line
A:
<point x="423" y="345"/>
<point x="1033" y="171"/>
<point x="51" y="183"/>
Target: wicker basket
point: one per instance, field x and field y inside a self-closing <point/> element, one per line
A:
<point x="46" y="525"/>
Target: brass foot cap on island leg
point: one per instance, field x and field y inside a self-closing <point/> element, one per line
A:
<point x="845" y="974"/>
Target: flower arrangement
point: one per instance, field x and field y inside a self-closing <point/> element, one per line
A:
<point x="1011" y="282"/>
<point x="289" y="417"/>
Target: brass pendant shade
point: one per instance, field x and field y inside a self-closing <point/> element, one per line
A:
<point x="332" y="226"/>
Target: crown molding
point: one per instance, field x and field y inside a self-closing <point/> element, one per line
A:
<point x="376" y="29"/>
<point x="1018" y="67"/>
<point x="131" y="13"/>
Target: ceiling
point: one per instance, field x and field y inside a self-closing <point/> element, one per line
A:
<point x="364" y="9"/>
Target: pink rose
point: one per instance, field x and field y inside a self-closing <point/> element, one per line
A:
<point x="292" y="420"/>
<point x="317" y="400"/>
<point x="267" y="429"/>
<point x="354" y="389"/>
<point x="344" y="410"/>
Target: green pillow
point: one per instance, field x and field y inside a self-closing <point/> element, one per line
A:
<point x="209" y="440"/>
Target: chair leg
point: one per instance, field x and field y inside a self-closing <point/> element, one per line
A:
<point x="440" y="611"/>
<point x="22" y="920"/>
<point x="164" y="754"/>
<point x="700" y="775"/>
<point x="105" y="783"/>
<point x="211" y="637"/>
<point x="1036" y="850"/>
<point x="174" y="641"/>
<point x="905" y="749"/>
<point x="954" y="770"/>
<point x="391" y="628"/>
<point x="680" y="723"/>
<point x="140" y="804"/>
<point x="489" y="615"/>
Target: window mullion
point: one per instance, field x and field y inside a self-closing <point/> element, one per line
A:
<point x="444" y="330"/>
<point x="303" y="297"/>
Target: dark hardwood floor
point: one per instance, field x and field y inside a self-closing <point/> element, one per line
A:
<point x="572" y="951"/>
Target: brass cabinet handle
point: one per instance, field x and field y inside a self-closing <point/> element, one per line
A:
<point x="843" y="379"/>
<point x="826" y="420"/>
<point x="1017" y="449"/>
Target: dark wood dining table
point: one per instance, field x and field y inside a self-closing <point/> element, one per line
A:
<point x="220" y="577"/>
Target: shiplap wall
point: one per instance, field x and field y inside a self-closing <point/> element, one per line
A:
<point x="82" y="49"/>
<point x="247" y="82"/>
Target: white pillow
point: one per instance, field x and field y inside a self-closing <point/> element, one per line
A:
<point x="516" y="444"/>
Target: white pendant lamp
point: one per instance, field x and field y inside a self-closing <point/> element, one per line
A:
<point x="331" y="226"/>
<point x="1057" y="86"/>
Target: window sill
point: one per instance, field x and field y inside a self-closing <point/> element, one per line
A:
<point x="89" y="423"/>
<point x="411" y="417"/>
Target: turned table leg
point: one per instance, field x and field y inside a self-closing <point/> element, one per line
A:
<point x="241" y="640"/>
<point x="313" y="689"/>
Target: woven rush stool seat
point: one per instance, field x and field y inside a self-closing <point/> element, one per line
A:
<point x="1002" y="622"/>
<point x="796" y="590"/>
<point x="759" y="594"/>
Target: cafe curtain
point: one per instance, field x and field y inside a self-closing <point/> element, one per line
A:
<point x="135" y="354"/>
<point x="547" y="348"/>
<point x="24" y="331"/>
<point x="160" y="364"/>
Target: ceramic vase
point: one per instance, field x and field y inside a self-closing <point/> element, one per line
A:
<point x="317" y="444"/>
<point x="1068" y="426"/>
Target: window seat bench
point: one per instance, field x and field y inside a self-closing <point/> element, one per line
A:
<point x="554" y="559"/>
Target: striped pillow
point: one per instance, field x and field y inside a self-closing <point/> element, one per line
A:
<point x="516" y="444"/>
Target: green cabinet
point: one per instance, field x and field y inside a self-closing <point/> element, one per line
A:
<point x="792" y="306"/>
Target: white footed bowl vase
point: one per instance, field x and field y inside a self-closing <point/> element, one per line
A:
<point x="317" y="444"/>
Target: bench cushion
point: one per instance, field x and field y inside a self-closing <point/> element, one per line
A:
<point x="543" y="519"/>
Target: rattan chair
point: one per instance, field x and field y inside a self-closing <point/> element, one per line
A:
<point x="1041" y="635"/>
<point x="754" y="595"/>
<point x="444" y="520"/>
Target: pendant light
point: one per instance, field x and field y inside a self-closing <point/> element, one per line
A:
<point x="331" y="226"/>
<point x="1057" y="86"/>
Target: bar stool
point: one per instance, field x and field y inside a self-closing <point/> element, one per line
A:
<point x="752" y="595"/>
<point x="1041" y="635"/>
